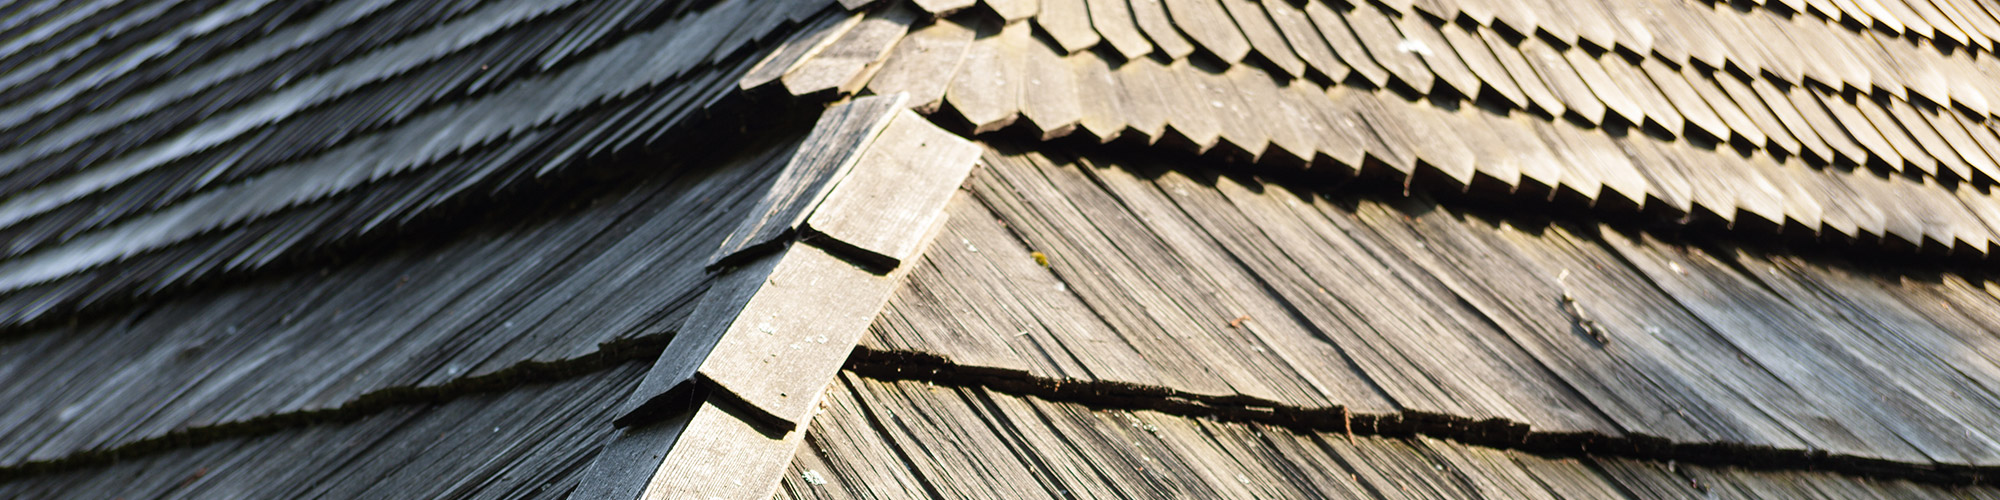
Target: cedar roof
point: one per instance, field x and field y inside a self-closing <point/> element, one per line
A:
<point x="1019" y="248"/>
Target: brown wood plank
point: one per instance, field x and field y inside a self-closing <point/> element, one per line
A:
<point x="1341" y="38"/>
<point x="987" y="88"/>
<point x="896" y="192"/>
<point x="1152" y="18"/>
<point x="1113" y="20"/>
<point x="924" y="64"/>
<point x="1378" y="34"/>
<point x="842" y="60"/>
<point x="1306" y="40"/>
<point x="1264" y="36"/>
<point x="1208" y="24"/>
<point x="1068" y="22"/>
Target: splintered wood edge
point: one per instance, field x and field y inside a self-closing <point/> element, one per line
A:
<point x="805" y="180"/>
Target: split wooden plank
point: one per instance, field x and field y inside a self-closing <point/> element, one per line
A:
<point x="1264" y="37"/>
<point x="924" y="64"/>
<point x="1776" y="135"/>
<point x="803" y="45"/>
<point x="1372" y="27"/>
<point x="1306" y="40"/>
<point x="987" y="87"/>
<point x="836" y="142"/>
<point x="840" y="61"/>
<point x="1532" y="85"/>
<point x="895" y="193"/>
<point x="1153" y="20"/>
<point x="1873" y="128"/>
<point x="1209" y="25"/>
<point x="1335" y="31"/>
<point x="1788" y="114"/>
<point x="1113" y="20"/>
<point x="1068" y="23"/>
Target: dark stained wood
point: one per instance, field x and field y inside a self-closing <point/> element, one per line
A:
<point x="924" y="64"/>
<point x="895" y="193"/>
<point x="828" y="153"/>
<point x="1068" y="22"/>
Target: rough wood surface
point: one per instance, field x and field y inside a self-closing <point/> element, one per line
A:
<point x="883" y="211"/>
<point x="837" y="141"/>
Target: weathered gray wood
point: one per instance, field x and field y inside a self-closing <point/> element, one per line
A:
<point x="1068" y="22"/>
<point x="881" y="212"/>
<point x="1152" y="19"/>
<point x="803" y="45"/>
<point x="1113" y="20"/>
<point x="828" y="152"/>
<point x="1305" y="40"/>
<point x="1337" y="35"/>
<point x="1264" y="36"/>
<point x="1014" y="10"/>
<point x="987" y="88"/>
<point x="1373" y="28"/>
<point x="941" y="8"/>
<point x="924" y="63"/>
<point x="1209" y="25"/>
<point x="841" y="60"/>
<point x="722" y="453"/>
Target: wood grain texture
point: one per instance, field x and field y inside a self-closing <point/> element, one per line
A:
<point x="882" y="212"/>
<point x="838" y="140"/>
<point x="923" y="64"/>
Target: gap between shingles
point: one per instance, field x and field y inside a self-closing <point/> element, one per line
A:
<point x="607" y="356"/>
<point x="1492" y="433"/>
